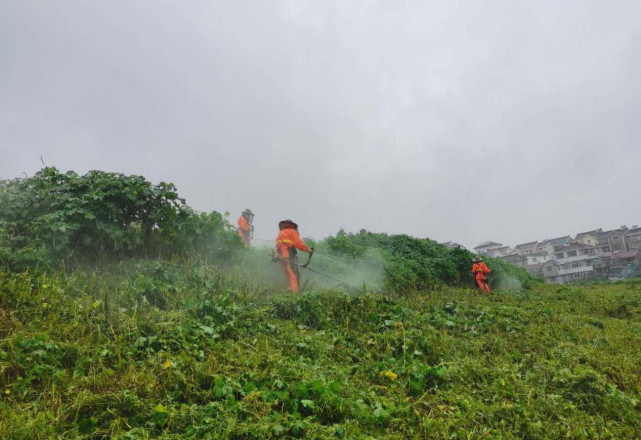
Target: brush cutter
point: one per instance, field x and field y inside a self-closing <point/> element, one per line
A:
<point x="309" y="259"/>
<point x="305" y="265"/>
<point x="340" y="283"/>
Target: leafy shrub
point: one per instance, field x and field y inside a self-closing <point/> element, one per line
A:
<point x="422" y="264"/>
<point x="508" y="276"/>
<point x="342" y="245"/>
<point x="101" y="214"/>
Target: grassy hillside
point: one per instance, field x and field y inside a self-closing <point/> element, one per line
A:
<point x="126" y="314"/>
<point x="176" y="349"/>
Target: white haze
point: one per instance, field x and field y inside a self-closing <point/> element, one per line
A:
<point x="463" y="121"/>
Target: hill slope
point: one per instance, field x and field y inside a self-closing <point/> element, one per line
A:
<point x="178" y="350"/>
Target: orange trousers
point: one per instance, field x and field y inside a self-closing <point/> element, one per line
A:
<point x="482" y="283"/>
<point x="290" y="275"/>
<point x="244" y="236"/>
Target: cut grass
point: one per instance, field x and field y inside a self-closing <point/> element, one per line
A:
<point x="146" y="350"/>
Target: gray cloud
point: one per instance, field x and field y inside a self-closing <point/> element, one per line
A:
<point x="464" y="121"/>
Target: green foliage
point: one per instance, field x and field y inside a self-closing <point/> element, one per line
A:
<point x="185" y="346"/>
<point x="421" y="264"/>
<point x="509" y="277"/>
<point x="343" y="245"/>
<point x="64" y="215"/>
<point x="100" y="355"/>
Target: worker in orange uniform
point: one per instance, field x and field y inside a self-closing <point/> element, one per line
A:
<point x="481" y="271"/>
<point x="288" y="242"/>
<point x="245" y="226"/>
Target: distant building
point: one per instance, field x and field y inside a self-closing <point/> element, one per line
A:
<point x="515" y="259"/>
<point x="591" y="255"/>
<point x="526" y="248"/>
<point x="535" y="269"/>
<point x="545" y="247"/>
<point x="499" y="252"/>
<point x="580" y="268"/>
<point x="538" y="258"/>
<point x="613" y="241"/>
<point x="575" y="262"/>
<point x="625" y="264"/>
<point x="574" y="250"/>
<point x="559" y="242"/>
<point x="451" y="245"/>
<point x="634" y="238"/>
<point x="486" y="247"/>
<point x="590" y="238"/>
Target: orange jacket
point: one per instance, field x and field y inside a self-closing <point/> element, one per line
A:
<point x="480" y="269"/>
<point x="243" y="225"/>
<point x="289" y="238"/>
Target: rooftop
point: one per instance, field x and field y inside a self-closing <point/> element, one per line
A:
<point x="559" y="241"/>
<point x="575" y="246"/>
<point x="524" y="246"/>
<point x="594" y="233"/>
<point x="512" y="257"/>
<point x="488" y="244"/>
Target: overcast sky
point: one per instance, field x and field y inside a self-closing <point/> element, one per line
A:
<point x="468" y="121"/>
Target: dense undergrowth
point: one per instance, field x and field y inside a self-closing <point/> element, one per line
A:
<point x="149" y="349"/>
<point x="412" y="264"/>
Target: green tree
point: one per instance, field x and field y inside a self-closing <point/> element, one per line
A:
<point x="101" y="213"/>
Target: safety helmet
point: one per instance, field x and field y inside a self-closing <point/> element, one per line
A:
<point x="287" y="224"/>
